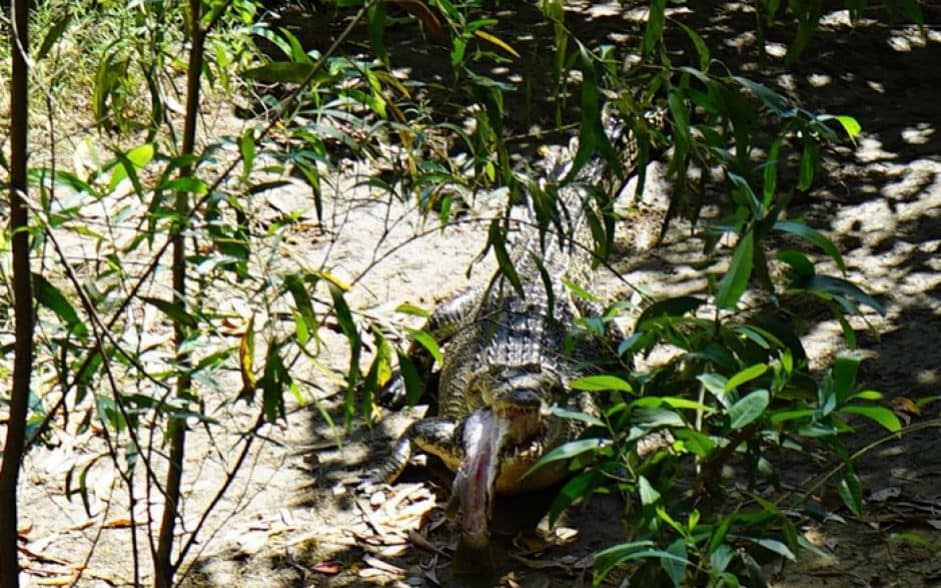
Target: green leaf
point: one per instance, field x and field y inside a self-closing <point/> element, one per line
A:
<point x="601" y="382"/>
<point x="850" y="125"/>
<point x="777" y="103"/>
<point x="654" y="29"/>
<point x="411" y="309"/>
<point x="53" y="35"/>
<point x="578" y="487"/>
<point x="802" y="267"/>
<point x="131" y="161"/>
<point x="425" y="339"/>
<point x="714" y="383"/>
<point x="841" y="287"/>
<point x="746" y="375"/>
<point x="607" y="560"/>
<point x="673" y="307"/>
<point x="648" y="494"/>
<point x="748" y="408"/>
<point x="851" y="491"/>
<point x="702" y="51"/>
<point x="497" y="241"/>
<point x="286" y="72"/>
<point x="569" y="450"/>
<point x="775" y="546"/>
<point x="808" y="165"/>
<point x="586" y="418"/>
<point x="879" y="414"/>
<point x="48" y="296"/>
<point x="734" y="282"/>
<point x="376" y="19"/>
<point x="814" y="237"/>
<point x="174" y="311"/>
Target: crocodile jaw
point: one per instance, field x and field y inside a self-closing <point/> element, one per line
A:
<point x="475" y="483"/>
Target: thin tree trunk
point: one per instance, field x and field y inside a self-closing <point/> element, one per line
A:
<point x="164" y="568"/>
<point x="22" y="300"/>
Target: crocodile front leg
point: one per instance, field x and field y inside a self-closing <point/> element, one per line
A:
<point x="433" y="435"/>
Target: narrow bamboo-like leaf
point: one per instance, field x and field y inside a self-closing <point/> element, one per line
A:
<point x="814" y="237"/>
<point x="586" y="418"/>
<point x="842" y="287"/>
<point x="496" y="240"/>
<point x="494" y="40"/>
<point x="600" y="382"/>
<point x="885" y="417"/>
<point x="428" y="342"/>
<point x="802" y="267"/>
<point x="131" y="161"/>
<point x="808" y="165"/>
<point x="48" y="296"/>
<point x="407" y="308"/>
<point x="702" y="51"/>
<point x="735" y="281"/>
<point x="174" y="311"/>
<point x="748" y="408"/>
<point x="53" y="35"/>
<point x="247" y="149"/>
<point x="247" y="357"/>
<point x="777" y="103"/>
<point x="654" y="29"/>
<point x="376" y="19"/>
<point x="673" y="307"/>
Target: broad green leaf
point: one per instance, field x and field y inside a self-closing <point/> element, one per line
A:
<point x="648" y="494"/>
<point x="808" y="165"/>
<point x="580" y="486"/>
<point x="814" y="237"/>
<point x="843" y="376"/>
<point x="748" y="408"/>
<point x="569" y="450"/>
<point x="746" y="375"/>
<point x="714" y="383"/>
<point x="851" y="491"/>
<point x="735" y="281"/>
<point x="879" y="414"/>
<point x="601" y="382"/>
<point x="413" y="381"/>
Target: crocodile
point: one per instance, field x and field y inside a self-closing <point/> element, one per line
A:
<point x="509" y="354"/>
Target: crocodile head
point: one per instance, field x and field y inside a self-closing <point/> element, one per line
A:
<point x="501" y="441"/>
